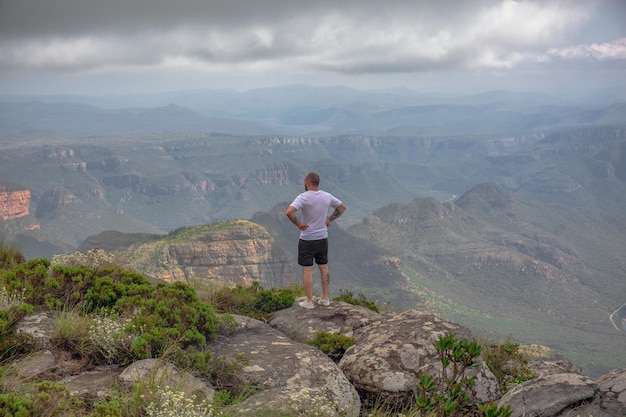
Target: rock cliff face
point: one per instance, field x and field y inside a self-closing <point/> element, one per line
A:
<point x="237" y="252"/>
<point x="13" y="203"/>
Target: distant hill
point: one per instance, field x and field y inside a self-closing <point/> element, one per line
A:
<point x="505" y="265"/>
<point x="86" y="120"/>
<point x="306" y="110"/>
<point x="156" y="182"/>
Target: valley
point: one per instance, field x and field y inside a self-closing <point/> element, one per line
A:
<point x="508" y="222"/>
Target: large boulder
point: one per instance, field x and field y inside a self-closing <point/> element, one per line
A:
<point x="293" y="375"/>
<point x="548" y="396"/>
<point x="389" y="356"/>
<point x="302" y="324"/>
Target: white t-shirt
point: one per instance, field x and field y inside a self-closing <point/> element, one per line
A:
<point x="314" y="206"/>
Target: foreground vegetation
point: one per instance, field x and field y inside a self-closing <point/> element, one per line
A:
<point x="109" y="315"/>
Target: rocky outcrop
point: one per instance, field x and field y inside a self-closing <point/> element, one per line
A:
<point x="390" y="350"/>
<point x="51" y="200"/>
<point x="237" y="252"/>
<point x="14" y="202"/>
<point x="291" y="373"/>
<point x="567" y="394"/>
<point x="389" y="355"/>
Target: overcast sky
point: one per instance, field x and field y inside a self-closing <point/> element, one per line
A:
<point x="134" y="46"/>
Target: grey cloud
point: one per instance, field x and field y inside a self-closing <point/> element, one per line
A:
<point x="348" y="37"/>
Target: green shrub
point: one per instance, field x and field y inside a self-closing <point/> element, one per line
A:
<point x="65" y="286"/>
<point x="508" y="364"/>
<point x="173" y="314"/>
<point x="253" y="301"/>
<point x="28" y="277"/>
<point x="333" y="345"/>
<point x="361" y="300"/>
<point x="12" y="405"/>
<point x="112" y="286"/>
<point x="446" y="394"/>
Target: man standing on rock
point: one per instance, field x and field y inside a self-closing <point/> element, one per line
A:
<point x="313" y="244"/>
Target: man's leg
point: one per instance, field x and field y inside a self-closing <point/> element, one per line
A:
<point x="325" y="274"/>
<point x="307" y="282"/>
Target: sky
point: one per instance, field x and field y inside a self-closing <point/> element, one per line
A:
<point x="101" y="47"/>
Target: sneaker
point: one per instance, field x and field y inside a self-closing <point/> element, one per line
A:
<point x="323" y="302"/>
<point x="306" y="305"/>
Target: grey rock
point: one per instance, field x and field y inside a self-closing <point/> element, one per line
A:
<point x="548" y="396"/>
<point x="551" y="367"/>
<point x="35" y="364"/>
<point x="39" y="325"/>
<point x="302" y="324"/>
<point x="389" y="356"/>
<point x="93" y="384"/>
<point x="292" y="374"/>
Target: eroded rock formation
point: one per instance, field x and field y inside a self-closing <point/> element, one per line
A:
<point x="14" y="203"/>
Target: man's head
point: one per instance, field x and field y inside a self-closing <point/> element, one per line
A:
<point x="313" y="179"/>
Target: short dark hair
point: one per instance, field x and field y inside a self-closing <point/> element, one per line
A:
<point x="313" y="177"/>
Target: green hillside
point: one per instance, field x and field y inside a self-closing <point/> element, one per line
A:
<point x="505" y="265"/>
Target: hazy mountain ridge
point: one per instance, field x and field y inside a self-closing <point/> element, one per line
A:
<point x="301" y="109"/>
<point x="160" y="182"/>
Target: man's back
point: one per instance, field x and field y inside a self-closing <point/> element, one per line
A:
<point x="314" y="207"/>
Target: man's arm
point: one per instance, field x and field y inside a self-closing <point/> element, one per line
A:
<point x="335" y="214"/>
<point x="291" y="214"/>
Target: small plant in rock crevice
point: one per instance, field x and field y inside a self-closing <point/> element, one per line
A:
<point x="508" y="364"/>
<point x="333" y="345"/>
<point x="447" y="394"/>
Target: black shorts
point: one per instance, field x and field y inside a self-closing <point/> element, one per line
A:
<point x="312" y="249"/>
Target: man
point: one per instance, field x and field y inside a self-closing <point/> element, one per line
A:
<point x="313" y="244"/>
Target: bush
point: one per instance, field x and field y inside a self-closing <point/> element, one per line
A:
<point x="508" y="364"/>
<point x="253" y="301"/>
<point x="333" y="345"/>
<point x="111" y="338"/>
<point x="29" y="278"/>
<point x="446" y="395"/>
<point x="173" y="314"/>
<point x="112" y="288"/>
<point x="15" y="405"/>
<point x="12" y="309"/>
<point x="361" y="300"/>
<point x="169" y="402"/>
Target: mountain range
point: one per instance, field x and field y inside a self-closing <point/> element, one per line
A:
<point x="504" y="212"/>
